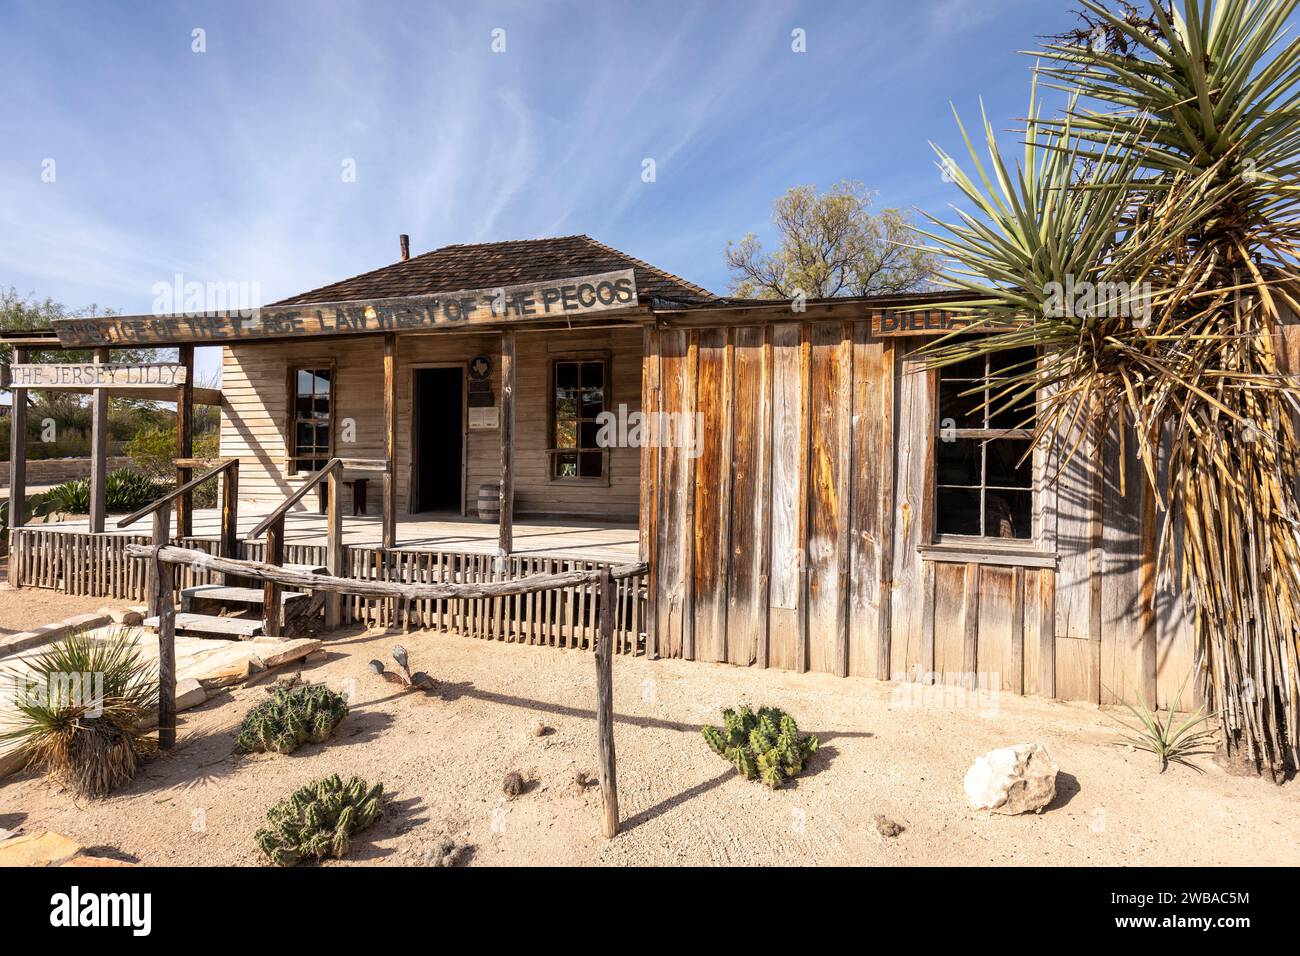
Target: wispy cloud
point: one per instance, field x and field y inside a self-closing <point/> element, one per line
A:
<point x="226" y="165"/>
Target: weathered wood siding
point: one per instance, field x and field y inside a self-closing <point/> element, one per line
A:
<point x="254" y="414"/>
<point x="797" y="531"/>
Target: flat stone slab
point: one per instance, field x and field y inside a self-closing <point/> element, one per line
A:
<point x="50" y="849"/>
<point x="49" y="633"/>
<point x="38" y="849"/>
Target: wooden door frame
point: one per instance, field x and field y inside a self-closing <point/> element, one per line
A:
<point x="412" y="495"/>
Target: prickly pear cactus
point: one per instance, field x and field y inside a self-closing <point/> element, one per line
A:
<point x="318" y="820"/>
<point x="765" y="744"/>
<point x="293" y="716"/>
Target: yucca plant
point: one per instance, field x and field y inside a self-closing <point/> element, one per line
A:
<point x="1166" y="188"/>
<point x="1194" y="734"/>
<point x="78" y="713"/>
<point x="318" y="820"/>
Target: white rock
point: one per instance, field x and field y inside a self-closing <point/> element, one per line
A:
<point x="1012" y="780"/>
<point x="189" y="693"/>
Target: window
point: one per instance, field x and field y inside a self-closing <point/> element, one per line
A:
<point x="310" y="426"/>
<point x="983" y="472"/>
<point x="579" y="397"/>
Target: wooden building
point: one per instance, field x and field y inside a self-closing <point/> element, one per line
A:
<point x="807" y="493"/>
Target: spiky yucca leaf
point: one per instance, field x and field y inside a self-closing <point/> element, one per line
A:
<point x="79" y="715"/>
<point x="1173" y="170"/>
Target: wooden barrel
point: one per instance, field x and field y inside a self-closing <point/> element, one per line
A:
<point x="489" y="501"/>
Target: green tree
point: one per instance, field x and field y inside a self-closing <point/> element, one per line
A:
<point x="1170" y="179"/>
<point x="830" y="245"/>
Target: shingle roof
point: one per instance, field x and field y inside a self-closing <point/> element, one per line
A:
<point x="491" y="264"/>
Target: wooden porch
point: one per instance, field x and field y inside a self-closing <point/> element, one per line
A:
<point x="571" y="540"/>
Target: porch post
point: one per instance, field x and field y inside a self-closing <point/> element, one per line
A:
<point x="185" y="442"/>
<point x="390" y="441"/>
<point x="505" y="540"/>
<point x="98" y="451"/>
<point x="17" y="455"/>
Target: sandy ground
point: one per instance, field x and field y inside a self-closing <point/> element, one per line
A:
<point x="442" y="759"/>
<point x="26" y="608"/>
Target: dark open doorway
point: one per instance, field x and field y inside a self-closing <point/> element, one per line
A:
<point x="439" y="439"/>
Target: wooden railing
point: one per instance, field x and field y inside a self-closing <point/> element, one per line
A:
<point x="159" y="586"/>
<point x="160" y="554"/>
<point x="272" y="526"/>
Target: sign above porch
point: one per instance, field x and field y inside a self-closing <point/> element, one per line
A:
<point x="537" y="301"/>
<point x="887" y="323"/>
<point x="85" y="375"/>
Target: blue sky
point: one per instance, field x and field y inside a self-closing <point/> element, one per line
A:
<point x="226" y="165"/>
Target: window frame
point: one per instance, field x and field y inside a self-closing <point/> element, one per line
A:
<point x="606" y="461"/>
<point x="1034" y="541"/>
<point x="291" y="413"/>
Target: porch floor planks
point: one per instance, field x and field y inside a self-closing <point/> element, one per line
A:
<point x="556" y="537"/>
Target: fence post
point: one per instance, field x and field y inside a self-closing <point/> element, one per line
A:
<point x="271" y="589"/>
<point x="162" y="606"/>
<point x="334" y="548"/>
<point x="605" y="704"/>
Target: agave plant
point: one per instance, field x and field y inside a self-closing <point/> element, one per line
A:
<point x="1194" y="735"/>
<point x="1167" y="187"/>
<point x="78" y="712"/>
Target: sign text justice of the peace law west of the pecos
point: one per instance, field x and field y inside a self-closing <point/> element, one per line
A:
<point x="559" y="298"/>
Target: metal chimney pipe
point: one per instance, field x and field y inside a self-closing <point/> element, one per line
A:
<point x="405" y="240"/>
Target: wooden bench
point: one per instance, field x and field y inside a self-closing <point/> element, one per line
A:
<point x="358" y="481"/>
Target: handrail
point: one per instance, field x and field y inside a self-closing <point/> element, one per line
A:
<point x="378" y="589"/>
<point x="294" y="498"/>
<point x="171" y="496"/>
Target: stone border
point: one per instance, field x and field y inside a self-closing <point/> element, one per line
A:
<point x="49" y="633"/>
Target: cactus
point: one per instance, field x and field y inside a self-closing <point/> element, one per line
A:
<point x="318" y="820"/>
<point x="293" y="716"/>
<point x="765" y="744"/>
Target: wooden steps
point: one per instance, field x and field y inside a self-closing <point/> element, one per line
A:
<point x="210" y="625"/>
<point x="252" y="597"/>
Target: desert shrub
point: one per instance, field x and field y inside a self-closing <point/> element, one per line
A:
<point x="318" y="820"/>
<point x="71" y="497"/>
<point x="1196" y="734"/>
<point x="765" y="744"/>
<point x="293" y="716"/>
<point x="153" y="451"/>
<point x="127" y="490"/>
<point x="77" y="716"/>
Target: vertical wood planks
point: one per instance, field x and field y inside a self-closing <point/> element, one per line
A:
<point x="869" y="466"/>
<point x="711" y="494"/>
<point x="830" y="410"/>
<point x="672" y="531"/>
<point x="750" y="490"/>
<point x="916" y="422"/>
<point x="788" y="440"/>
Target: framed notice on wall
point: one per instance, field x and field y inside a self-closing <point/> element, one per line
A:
<point x="483" y="417"/>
